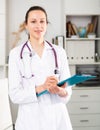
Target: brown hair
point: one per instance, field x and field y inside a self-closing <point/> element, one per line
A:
<point x="35" y="8"/>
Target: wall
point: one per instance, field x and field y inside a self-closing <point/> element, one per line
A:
<point x="16" y="12"/>
<point x="82" y="6"/>
<point x="2" y="31"/>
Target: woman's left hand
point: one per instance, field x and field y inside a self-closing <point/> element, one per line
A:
<point x="62" y="92"/>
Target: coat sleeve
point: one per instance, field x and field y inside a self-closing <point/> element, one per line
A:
<point x="64" y="73"/>
<point x="19" y="93"/>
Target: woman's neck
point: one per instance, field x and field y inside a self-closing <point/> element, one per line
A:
<point x="37" y="45"/>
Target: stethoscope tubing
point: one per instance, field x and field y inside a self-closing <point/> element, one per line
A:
<point x="55" y="55"/>
<point x="32" y="75"/>
<point x="21" y="53"/>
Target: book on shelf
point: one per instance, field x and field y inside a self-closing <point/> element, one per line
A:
<point x="92" y="26"/>
<point x="70" y="29"/>
<point x="75" y="29"/>
<point x="94" y="21"/>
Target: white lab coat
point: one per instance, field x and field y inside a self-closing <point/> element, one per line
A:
<point x="49" y="111"/>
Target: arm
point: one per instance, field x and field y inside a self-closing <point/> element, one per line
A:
<point x="50" y="85"/>
<point x="19" y="92"/>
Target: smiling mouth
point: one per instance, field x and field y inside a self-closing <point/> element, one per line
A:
<point x="38" y="31"/>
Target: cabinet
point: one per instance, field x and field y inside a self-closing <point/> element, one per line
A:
<point x="82" y="38"/>
<point x="80" y="51"/>
<point x="84" y="109"/>
<point x="84" y="106"/>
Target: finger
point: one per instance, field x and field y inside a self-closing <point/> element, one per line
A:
<point x="53" y="78"/>
<point x="54" y="89"/>
<point x="64" y="86"/>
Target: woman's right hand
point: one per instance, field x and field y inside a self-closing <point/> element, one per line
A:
<point x="51" y="84"/>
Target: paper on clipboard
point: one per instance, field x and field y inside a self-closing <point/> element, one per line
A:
<point x="75" y="79"/>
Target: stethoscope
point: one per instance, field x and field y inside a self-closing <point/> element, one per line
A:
<point x="25" y="45"/>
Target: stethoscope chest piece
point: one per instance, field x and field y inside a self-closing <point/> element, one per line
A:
<point x="56" y="71"/>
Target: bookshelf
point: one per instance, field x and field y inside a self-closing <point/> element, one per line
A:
<point x="86" y="24"/>
<point x="82" y="40"/>
<point x="83" y="51"/>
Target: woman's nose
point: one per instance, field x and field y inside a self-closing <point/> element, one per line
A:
<point x="38" y="24"/>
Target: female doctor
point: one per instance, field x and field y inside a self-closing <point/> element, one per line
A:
<point x="35" y="68"/>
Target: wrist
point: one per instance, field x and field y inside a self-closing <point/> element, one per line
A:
<point x="40" y="88"/>
<point x="63" y="93"/>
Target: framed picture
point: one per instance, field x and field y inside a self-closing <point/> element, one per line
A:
<point x="60" y="40"/>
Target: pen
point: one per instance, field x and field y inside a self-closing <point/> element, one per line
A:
<point x="56" y="73"/>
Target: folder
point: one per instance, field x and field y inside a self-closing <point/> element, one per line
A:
<point x="75" y="79"/>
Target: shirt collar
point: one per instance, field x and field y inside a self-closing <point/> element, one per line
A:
<point x="46" y="45"/>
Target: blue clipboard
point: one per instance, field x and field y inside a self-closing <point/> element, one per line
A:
<point x="75" y="79"/>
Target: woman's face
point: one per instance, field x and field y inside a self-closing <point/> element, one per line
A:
<point x="36" y="24"/>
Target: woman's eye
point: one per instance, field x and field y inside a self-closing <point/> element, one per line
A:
<point x="42" y="21"/>
<point x="33" y="21"/>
